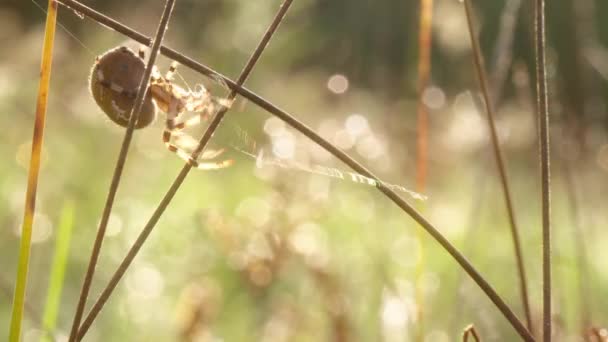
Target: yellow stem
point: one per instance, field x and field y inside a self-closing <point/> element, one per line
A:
<point x="34" y="170"/>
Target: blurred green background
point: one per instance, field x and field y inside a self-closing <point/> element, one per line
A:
<point x="272" y="254"/>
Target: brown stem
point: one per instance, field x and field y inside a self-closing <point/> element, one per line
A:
<point x="120" y="163"/>
<point x="422" y="131"/>
<point x="542" y="108"/>
<point x="424" y="71"/>
<point x="504" y="179"/>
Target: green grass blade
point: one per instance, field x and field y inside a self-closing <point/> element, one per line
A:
<point x="34" y="170"/>
<point x="57" y="275"/>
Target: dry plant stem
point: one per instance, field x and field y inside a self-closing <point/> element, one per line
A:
<point x="424" y="71"/>
<point x="214" y="124"/>
<point x="34" y="170"/>
<point x="503" y="58"/>
<point x="543" y="115"/>
<point x="308" y="132"/>
<point x="122" y="157"/>
<point x="470" y="331"/>
<point x="504" y="179"/>
<point x="422" y="132"/>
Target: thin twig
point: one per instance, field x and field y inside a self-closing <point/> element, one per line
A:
<point x="214" y="124"/>
<point x="345" y="158"/>
<point x="470" y="331"/>
<point x="122" y="157"/>
<point x="504" y="179"/>
<point x="543" y="115"/>
<point x="34" y="170"/>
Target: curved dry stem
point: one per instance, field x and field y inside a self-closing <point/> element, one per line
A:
<point x="502" y="170"/>
<point x="120" y="163"/>
<point x="345" y="158"/>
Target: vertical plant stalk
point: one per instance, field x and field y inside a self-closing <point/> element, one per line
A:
<point x="504" y="179"/>
<point x="57" y="274"/>
<point x="291" y="120"/>
<point x="122" y="157"/>
<point x="542" y="108"/>
<point x="214" y="124"/>
<point x="424" y="71"/>
<point x="503" y="58"/>
<point x="34" y="171"/>
<point x="422" y="131"/>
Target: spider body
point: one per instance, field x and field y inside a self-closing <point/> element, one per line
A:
<point x="114" y="83"/>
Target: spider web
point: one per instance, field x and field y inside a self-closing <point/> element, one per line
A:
<point x="240" y="140"/>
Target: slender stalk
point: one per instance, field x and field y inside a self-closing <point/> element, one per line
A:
<point x="502" y="170"/>
<point x="543" y="115"/>
<point x="503" y="58"/>
<point x="424" y="72"/>
<point x="34" y="171"/>
<point x="122" y="157"/>
<point x="422" y="131"/>
<point x="214" y="124"/>
<point x="57" y="273"/>
<point x="308" y="132"/>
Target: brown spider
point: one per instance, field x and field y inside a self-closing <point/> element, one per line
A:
<point x="114" y="81"/>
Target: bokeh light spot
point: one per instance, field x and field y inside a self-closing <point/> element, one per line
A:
<point x="337" y="84"/>
<point x="145" y="282"/>
<point x="433" y="97"/>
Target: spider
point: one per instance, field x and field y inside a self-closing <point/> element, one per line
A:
<point x="114" y="83"/>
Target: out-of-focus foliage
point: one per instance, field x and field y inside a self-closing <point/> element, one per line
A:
<point x="277" y="254"/>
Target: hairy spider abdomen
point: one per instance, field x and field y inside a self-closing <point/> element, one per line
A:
<point x="114" y="81"/>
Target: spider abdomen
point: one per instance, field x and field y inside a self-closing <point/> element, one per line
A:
<point x="114" y="82"/>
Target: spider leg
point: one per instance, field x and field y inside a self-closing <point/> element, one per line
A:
<point x="193" y="121"/>
<point x="187" y="157"/>
<point x="187" y="142"/>
<point x="172" y="70"/>
<point x="171" y="131"/>
<point x="142" y="52"/>
<point x="199" y="102"/>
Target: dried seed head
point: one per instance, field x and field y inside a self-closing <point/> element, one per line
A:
<point x="114" y="81"/>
